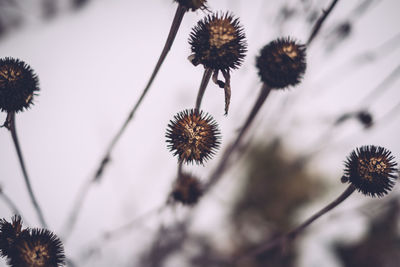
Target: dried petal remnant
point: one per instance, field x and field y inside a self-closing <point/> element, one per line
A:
<point x="281" y="63"/>
<point x="371" y="170"/>
<point x="193" y="136"/>
<point x="18" y="85"/>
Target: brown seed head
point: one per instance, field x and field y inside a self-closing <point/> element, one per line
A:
<point x="18" y="85"/>
<point x="371" y="170"/>
<point x="38" y="248"/>
<point x="9" y="233"/>
<point x="193" y="136"/>
<point x="282" y="63"/>
<point x="218" y="42"/>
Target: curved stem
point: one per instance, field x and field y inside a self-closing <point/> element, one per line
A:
<point x="265" y="90"/>
<point x="107" y="155"/>
<point x="282" y="241"/>
<point x="180" y="12"/>
<point x="203" y="86"/>
<point x="11" y="127"/>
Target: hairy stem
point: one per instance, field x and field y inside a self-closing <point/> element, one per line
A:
<point x="10" y="124"/>
<point x="265" y="90"/>
<point x="290" y="236"/>
<point x="320" y="21"/>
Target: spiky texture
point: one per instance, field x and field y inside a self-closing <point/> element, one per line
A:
<point x="372" y="170"/>
<point x="282" y="63"/>
<point x="37" y="248"/>
<point x="193" y="136"/>
<point x="218" y="42"/>
<point x="193" y="4"/>
<point x="9" y="233"/>
<point x="187" y="190"/>
<point x="18" y="85"/>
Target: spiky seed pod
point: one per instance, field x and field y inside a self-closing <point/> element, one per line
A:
<point x="18" y="85"/>
<point x="37" y="248"/>
<point x="282" y="63"/>
<point x="187" y="190"/>
<point x="371" y="170"/>
<point x="193" y="4"/>
<point x="9" y="233"/>
<point x="218" y="42"/>
<point x="193" y="136"/>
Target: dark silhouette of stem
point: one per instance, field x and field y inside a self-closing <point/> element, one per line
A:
<point x="320" y="21"/>
<point x="180" y="12"/>
<point x="203" y="86"/>
<point x="290" y="236"/>
<point x="10" y="124"/>
<point x="265" y="90"/>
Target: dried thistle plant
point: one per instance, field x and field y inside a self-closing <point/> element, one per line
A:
<point x="18" y="85"/>
<point x="193" y="136"/>
<point x="218" y="43"/>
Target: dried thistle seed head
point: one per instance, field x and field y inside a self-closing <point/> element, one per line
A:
<point x="193" y="136"/>
<point x="371" y="170"/>
<point x="187" y="190"/>
<point x="218" y="42"/>
<point x="37" y="248"/>
<point x="281" y="63"/>
<point x="193" y="4"/>
<point x="18" y="85"/>
<point x="9" y="233"/>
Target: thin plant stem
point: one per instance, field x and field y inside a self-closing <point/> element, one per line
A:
<point x="10" y="124"/>
<point x="180" y="169"/>
<point x="290" y="236"/>
<point x="180" y="12"/>
<point x="265" y="90"/>
<point x="76" y="208"/>
<point x="203" y="86"/>
<point x="320" y="21"/>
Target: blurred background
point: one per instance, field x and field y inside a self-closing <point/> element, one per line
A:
<point x="93" y="59"/>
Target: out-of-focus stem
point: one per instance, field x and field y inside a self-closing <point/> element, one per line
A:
<point x="265" y="90"/>
<point x="282" y="241"/>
